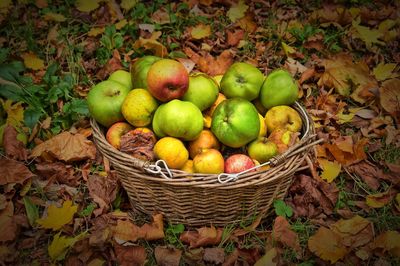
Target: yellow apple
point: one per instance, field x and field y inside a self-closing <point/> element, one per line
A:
<point x="262" y="149"/>
<point x="188" y="166"/>
<point x="209" y="161"/>
<point x="206" y="140"/>
<point x="283" y="116"/>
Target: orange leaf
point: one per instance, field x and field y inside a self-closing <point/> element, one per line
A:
<point x="66" y="147"/>
<point x="347" y="158"/>
<point x="327" y="245"/>
<point x="234" y="37"/>
<point x="216" y="66"/>
<point x="389" y="95"/>
<point x="13" y="172"/>
<point x="204" y="236"/>
<point x="282" y="232"/>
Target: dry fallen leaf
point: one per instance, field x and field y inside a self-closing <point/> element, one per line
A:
<point x="237" y="11"/>
<point x="388" y="242"/>
<point x="128" y="231"/>
<point x="130" y="255"/>
<point x="347" y="158"/>
<point x="268" y="258"/>
<point x="282" y="233"/>
<point x="15" y="112"/>
<point x="32" y="61"/>
<point x="54" y="17"/>
<point x="202" y="237"/>
<point x="103" y="190"/>
<point x="200" y="31"/>
<point x="58" y="217"/>
<point x="216" y="255"/>
<point x="87" y="6"/>
<point x="330" y="170"/>
<point x="60" y="245"/>
<point x="12" y="171"/>
<point x="341" y="72"/>
<point x="379" y="200"/>
<point x="167" y="256"/>
<point x="13" y="147"/>
<point x="385" y="71"/>
<point x="369" y="36"/>
<point x="62" y="173"/>
<point x="128" y="4"/>
<point x="8" y="226"/>
<point x="66" y="147"/>
<point x="150" y="44"/>
<point x="327" y="245"/>
<point x="389" y="96"/>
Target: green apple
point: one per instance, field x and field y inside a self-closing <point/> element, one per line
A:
<point x="139" y="70"/>
<point x="123" y="77"/>
<point x="279" y="88"/>
<point x="242" y="80"/>
<point x="179" y="119"/>
<point x="262" y="149"/>
<point x="202" y="91"/>
<point x="235" y="122"/>
<point x="105" y="100"/>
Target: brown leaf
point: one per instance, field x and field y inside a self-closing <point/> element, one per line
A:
<point x="340" y="73"/>
<point x="250" y="228"/>
<point x="103" y="190"/>
<point x="127" y="231"/>
<point x="167" y="256"/>
<point x="389" y="96"/>
<point x="282" y="233"/>
<point x="310" y="197"/>
<point x="64" y="174"/>
<point x="327" y="245"/>
<point x="388" y="242"/>
<point x="151" y="44"/>
<point x="130" y="255"/>
<point x="161" y="16"/>
<point x="234" y="37"/>
<point x="100" y="231"/>
<point x="12" y="146"/>
<point x="306" y="75"/>
<point x="210" y="65"/>
<point x="354" y="232"/>
<point x="8" y="226"/>
<point x="202" y="237"/>
<point x="111" y="66"/>
<point x="66" y="147"/>
<point x="215" y="256"/>
<point x="247" y="23"/>
<point x="12" y="171"/>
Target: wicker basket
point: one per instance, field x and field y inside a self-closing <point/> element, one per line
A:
<point x="200" y="199"/>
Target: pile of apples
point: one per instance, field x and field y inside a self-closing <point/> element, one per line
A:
<point x="198" y="123"/>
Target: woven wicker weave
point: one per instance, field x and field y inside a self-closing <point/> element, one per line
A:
<point x="200" y="199"/>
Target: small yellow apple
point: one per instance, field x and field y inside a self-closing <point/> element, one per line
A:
<point x="206" y="140"/>
<point x="188" y="166"/>
<point x="209" y="161"/>
<point x="283" y="116"/>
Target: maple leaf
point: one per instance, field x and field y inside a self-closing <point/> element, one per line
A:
<point x="330" y="170"/>
<point x="327" y="245"/>
<point x="200" y="31"/>
<point x="58" y="217"/>
<point x="32" y="61"/>
<point x="237" y="11"/>
<point x="341" y="73"/>
<point x="60" y="245"/>
<point x="66" y="147"/>
<point x="354" y="232"/>
<point x="15" y="112"/>
<point x="385" y="71"/>
<point x="369" y="36"/>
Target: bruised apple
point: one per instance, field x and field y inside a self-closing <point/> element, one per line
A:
<point x="115" y="132"/>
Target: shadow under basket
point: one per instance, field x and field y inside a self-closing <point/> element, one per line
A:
<point x="200" y="199"/>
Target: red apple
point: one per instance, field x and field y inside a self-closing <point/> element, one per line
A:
<point x="115" y="132"/>
<point x="167" y="79"/>
<point x="238" y="163"/>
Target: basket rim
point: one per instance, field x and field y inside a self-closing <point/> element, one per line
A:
<point x="285" y="163"/>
